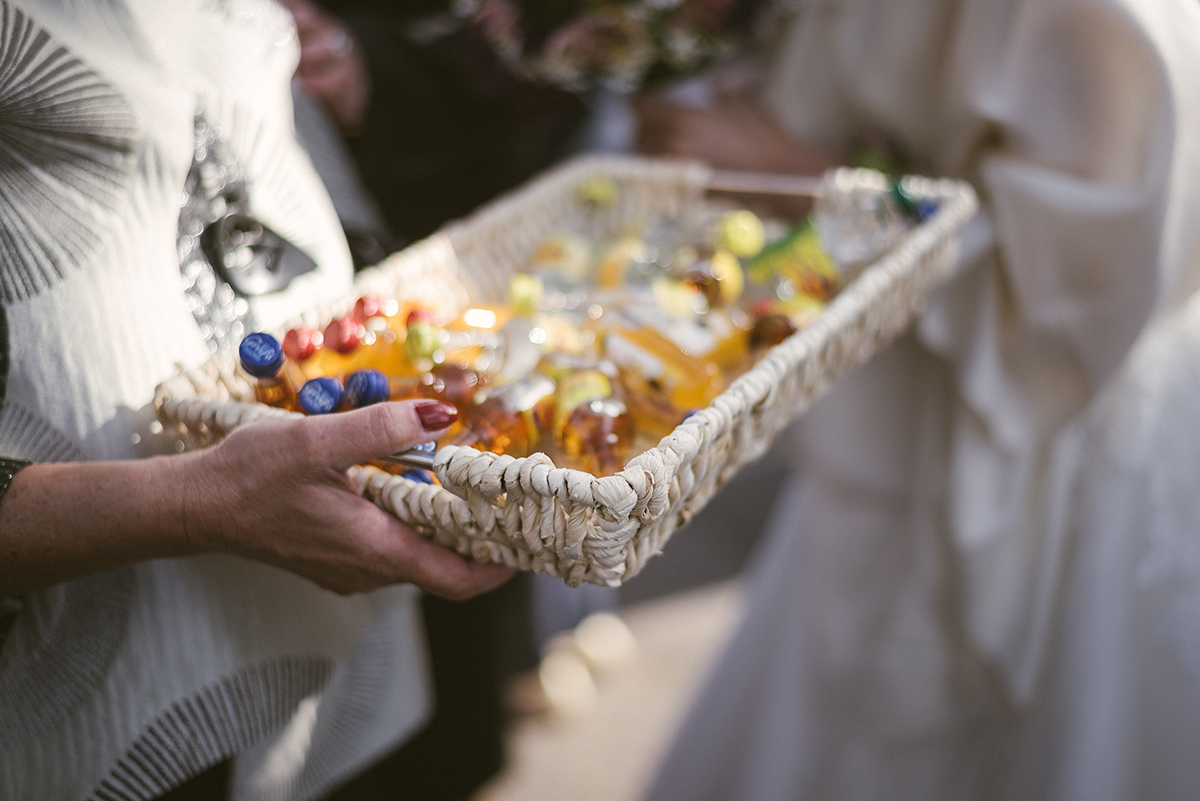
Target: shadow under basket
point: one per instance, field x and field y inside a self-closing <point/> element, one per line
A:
<point x="527" y="513"/>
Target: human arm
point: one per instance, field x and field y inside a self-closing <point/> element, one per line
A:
<point x="275" y="491"/>
<point x="733" y="134"/>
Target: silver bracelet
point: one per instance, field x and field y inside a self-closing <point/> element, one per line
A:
<point x="8" y="469"/>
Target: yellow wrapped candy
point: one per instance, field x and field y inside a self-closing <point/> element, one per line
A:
<point x="525" y="292"/>
<point x="564" y="253"/>
<point x="599" y="191"/>
<point x="613" y="266"/>
<point x="741" y="233"/>
<point x="800" y="259"/>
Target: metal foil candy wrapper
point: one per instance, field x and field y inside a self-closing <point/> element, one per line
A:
<point x="420" y="457"/>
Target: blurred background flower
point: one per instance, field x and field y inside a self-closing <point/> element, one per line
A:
<point x="581" y="45"/>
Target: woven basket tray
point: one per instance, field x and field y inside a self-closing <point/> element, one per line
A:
<point x="526" y="512"/>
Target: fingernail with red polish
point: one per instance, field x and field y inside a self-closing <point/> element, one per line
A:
<point x="436" y="415"/>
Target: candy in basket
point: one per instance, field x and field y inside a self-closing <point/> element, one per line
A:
<point x="625" y="353"/>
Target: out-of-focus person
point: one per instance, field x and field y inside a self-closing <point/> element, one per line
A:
<point x="984" y="583"/>
<point x="165" y="614"/>
<point x="434" y="120"/>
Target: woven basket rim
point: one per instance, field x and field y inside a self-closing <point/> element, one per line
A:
<point x="957" y="201"/>
<point x="636" y="498"/>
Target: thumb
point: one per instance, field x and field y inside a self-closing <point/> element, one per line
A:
<point x="379" y="430"/>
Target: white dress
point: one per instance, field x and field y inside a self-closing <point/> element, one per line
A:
<point x="127" y="682"/>
<point x="987" y="582"/>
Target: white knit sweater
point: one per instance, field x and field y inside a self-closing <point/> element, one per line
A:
<point x="123" y="684"/>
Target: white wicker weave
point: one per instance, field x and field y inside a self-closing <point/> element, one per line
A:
<point x="526" y="512"/>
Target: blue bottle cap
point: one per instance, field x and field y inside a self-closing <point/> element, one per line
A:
<point x="420" y="476"/>
<point x="926" y="209"/>
<point x="261" y="355"/>
<point x="365" y="387"/>
<point x="321" y="395"/>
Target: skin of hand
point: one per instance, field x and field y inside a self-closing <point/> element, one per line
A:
<point x="733" y="135"/>
<point x="332" y="69"/>
<point x="275" y="491"/>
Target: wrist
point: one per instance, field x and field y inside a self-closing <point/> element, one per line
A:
<point x="197" y="502"/>
<point x="60" y="521"/>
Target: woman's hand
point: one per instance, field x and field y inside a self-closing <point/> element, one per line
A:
<point x="275" y="491"/>
<point x="733" y="135"/>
